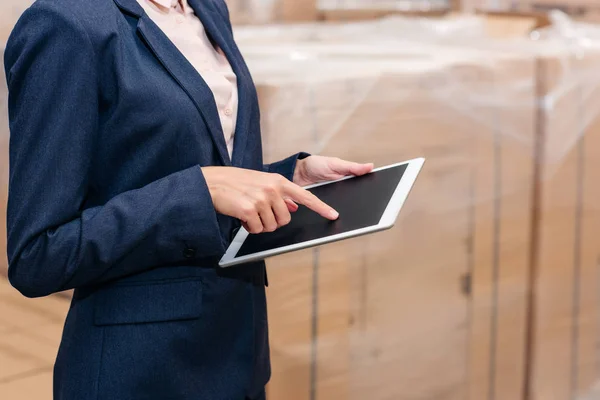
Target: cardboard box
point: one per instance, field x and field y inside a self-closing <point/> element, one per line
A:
<point x="414" y="309"/>
<point x="393" y="310"/>
<point x="503" y="25"/>
<point x="251" y="12"/>
<point x="303" y="115"/>
<point x="516" y="140"/>
<point x="297" y="10"/>
<point x="565" y="250"/>
<point x="501" y="226"/>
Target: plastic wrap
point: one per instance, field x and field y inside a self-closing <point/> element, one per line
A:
<point x="390" y="28"/>
<point x="252" y="11"/>
<point x="400" y="5"/>
<point x="488" y="285"/>
<point x="575" y="7"/>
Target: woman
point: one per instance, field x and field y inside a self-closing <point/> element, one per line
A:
<point x="135" y="154"/>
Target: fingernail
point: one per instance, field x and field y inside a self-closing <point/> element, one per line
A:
<point x="334" y="214"/>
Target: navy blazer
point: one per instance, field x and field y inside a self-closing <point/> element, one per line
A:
<point x="110" y="125"/>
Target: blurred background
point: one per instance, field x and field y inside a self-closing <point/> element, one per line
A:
<point x="488" y="288"/>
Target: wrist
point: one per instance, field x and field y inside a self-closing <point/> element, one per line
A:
<point x="212" y="179"/>
<point x="300" y="171"/>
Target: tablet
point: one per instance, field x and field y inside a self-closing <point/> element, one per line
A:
<point x="366" y="204"/>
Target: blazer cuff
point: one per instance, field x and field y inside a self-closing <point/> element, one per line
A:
<point x="198" y="227"/>
<point x="287" y="166"/>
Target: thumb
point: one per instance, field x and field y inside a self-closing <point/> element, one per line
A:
<point x="360" y="169"/>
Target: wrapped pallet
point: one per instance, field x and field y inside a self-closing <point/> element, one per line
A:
<point x="485" y="288"/>
<point x="563" y="283"/>
<point x="391" y="315"/>
<point x="565" y="251"/>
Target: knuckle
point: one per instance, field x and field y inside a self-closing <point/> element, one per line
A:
<point x="248" y="210"/>
<point x="261" y="201"/>
<point x="278" y="180"/>
<point x="271" y="190"/>
<point x="270" y="228"/>
<point x="255" y="227"/>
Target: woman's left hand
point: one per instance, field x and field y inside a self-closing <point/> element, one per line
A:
<point x="315" y="169"/>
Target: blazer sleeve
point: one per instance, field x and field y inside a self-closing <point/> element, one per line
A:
<point x="53" y="243"/>
<point x="286" y="167"/>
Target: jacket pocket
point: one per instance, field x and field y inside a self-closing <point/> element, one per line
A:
<point x="148" y="302"/>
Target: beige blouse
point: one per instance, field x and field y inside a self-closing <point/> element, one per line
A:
<point x="177" y="20"/>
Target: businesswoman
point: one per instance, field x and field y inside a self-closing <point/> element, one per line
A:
<point x="135" y="153"/>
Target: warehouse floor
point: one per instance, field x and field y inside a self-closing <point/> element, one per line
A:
<point x="29" y="335"/>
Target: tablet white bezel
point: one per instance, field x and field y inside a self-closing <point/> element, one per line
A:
<point x="387" y="220"/>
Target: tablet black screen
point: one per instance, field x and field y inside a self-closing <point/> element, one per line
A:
<point x="360" y="201"/>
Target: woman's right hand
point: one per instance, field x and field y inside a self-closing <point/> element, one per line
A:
<point x="262" y="201"/>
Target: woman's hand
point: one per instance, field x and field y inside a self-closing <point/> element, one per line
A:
<point x="315" y="169"/>
<point x="262" y="201"/>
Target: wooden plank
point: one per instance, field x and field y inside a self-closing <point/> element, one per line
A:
<point x="586" y="308"/>
<point x="551" y="336"/>
<point x="290" y="299"/>
<point x="502" y="206"/>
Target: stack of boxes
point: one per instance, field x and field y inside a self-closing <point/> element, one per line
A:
<point x="487" y="285"/>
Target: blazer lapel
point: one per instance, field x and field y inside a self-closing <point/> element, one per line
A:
<point x="182" y="71"/>
<point x="217" y="29"/>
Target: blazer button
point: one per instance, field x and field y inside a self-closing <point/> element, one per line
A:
<point x="189" y="252"/>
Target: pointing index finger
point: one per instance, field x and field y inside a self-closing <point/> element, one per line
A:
<point x="303" y="196"/>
